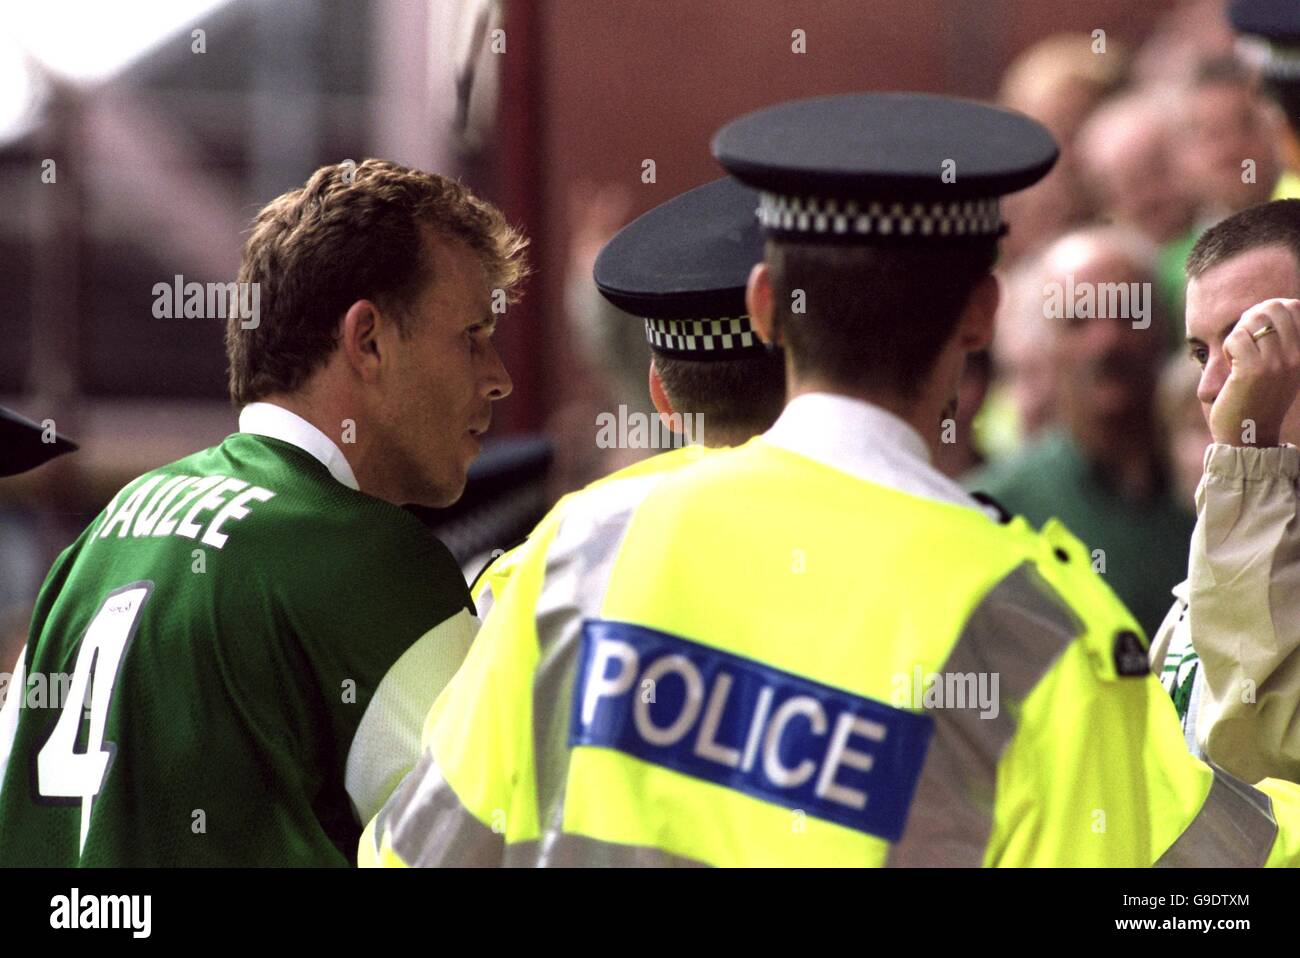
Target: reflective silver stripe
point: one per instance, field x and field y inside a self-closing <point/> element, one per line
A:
<point x="483" y="604"/>
<point x="432" y="828"/>
<point x="1235" y="828"/>
<point x="578" y="566"/>
<point x="386" y="744"/>
<point x="579" y="851"/>
<point x="1018" y="632"/>
<point x="381" y="822"/>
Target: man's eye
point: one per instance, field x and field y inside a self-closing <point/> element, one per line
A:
<point x="1200" y="355"/>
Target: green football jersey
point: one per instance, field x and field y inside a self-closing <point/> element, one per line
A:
<point x="202" y="658"/>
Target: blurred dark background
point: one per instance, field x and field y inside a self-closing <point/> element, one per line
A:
<point x="163" y="152"/>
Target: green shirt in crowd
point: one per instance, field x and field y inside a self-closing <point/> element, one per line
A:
<point x="1143" y="545"/>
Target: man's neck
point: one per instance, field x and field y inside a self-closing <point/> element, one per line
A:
<point x="922" y="414"/>
<point x="304" y="408"/>
<point x="340" y="429"/>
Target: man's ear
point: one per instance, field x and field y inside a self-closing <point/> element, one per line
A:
<point x="758" y="301"/>
<point x="359" y="339"/>
<point x="975" y="328"/>
<point x="659" y="396"/>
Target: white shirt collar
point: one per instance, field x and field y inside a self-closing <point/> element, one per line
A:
<point x="863" y="440"/>
<point x="276" y="422"/>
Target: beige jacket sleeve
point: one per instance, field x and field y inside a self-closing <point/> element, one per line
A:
<point x="1244" y="595"/>
<point x="1164" y="636"/>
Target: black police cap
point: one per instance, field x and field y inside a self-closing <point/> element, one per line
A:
<point x="23" y="445"/>
<point x="885" y="167"/>
<point x="1277" y="21"/>
<point x="683" y="266"/>
<point x="1270" y="38"/>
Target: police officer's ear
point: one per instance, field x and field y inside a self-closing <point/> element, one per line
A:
<point x="975" y="328"/>
<point x="659" y="396"/>
<point x="758" y="301"/>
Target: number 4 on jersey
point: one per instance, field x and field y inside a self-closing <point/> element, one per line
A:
<point x="62" y="771"/>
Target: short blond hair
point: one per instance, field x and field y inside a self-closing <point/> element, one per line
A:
<point x="351" y="232"/>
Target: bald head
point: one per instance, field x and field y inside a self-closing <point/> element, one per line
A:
<point x="1100" y="250"/>
<point x="1107" y="337"/>
<point x="1125" y="156"/>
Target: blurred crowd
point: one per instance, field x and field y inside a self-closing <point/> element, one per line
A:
<point x="1093" y="419"/>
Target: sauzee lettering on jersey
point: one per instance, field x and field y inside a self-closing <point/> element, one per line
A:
<point x="157" y="507"/>
<point x="747" y="726"/>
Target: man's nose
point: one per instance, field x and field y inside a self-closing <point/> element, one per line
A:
<point x="1213" y="376"/>
<point x="495" y="381"/>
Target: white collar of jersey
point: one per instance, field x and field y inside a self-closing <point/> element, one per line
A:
<point x="864" y="440"/>
<point x="276" y="422"/>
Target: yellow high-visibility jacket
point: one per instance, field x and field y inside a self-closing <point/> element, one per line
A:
<point x="767" y="660"/>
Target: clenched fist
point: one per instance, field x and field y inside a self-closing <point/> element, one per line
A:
<point x="1263" y="353"/>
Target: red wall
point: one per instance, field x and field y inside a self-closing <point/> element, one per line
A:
<point x="614" y="82"/>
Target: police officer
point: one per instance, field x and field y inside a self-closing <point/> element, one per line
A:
<point x="1269" y="40"/>
<point x="815" y="649"/>
<point x="680" y="270"/>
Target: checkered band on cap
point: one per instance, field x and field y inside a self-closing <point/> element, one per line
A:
<point x="850" y="218"/>
<point x="1281" y="63"/>
<point x="727" y="338"/>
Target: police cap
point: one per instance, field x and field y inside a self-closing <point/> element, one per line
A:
<point x="891" y="168"/>
<point x="1270" y="38"/>
<point x="683" y="267"/>
<point x="23" y="445"/>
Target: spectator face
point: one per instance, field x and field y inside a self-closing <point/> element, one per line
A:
<point x="1215" y="301"/>
<point x="1128" y="163"/>
<point x="1031" y="380"/>
<point x="1106" y="368"/>
<point x="1226" y="126"/>
<point x="1022" y="352"/>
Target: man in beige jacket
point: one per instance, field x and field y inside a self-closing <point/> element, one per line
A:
<point x="1229" y="650"/>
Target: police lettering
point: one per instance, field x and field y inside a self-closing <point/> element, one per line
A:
<point x="789" y="742"/>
